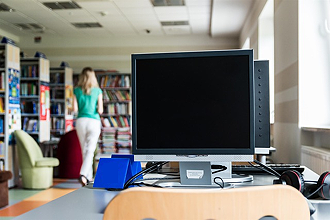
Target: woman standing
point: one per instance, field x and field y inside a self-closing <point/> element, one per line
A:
<point x="88" y="102"/>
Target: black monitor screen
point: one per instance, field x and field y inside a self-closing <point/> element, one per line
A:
<point x="193" y="102"/>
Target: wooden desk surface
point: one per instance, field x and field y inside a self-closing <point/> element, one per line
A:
<point x="90" y="203"/>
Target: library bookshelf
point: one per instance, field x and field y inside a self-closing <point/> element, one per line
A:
<point x="35" y="98"/>
<point x="116" y="119"/>
<point x="61" y="100"/>
<point x="10" y="119"/>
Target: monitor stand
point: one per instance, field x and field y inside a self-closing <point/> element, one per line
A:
<point x="203" y="175"/>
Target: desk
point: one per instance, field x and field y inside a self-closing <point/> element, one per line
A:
<point x="90" y="203"/>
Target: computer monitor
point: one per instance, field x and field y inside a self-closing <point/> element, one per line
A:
<point x="193" y="107"/>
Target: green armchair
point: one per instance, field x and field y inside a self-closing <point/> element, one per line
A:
<point x="36" y="170"/>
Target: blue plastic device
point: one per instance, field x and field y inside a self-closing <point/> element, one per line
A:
<point x="112" y="173"/>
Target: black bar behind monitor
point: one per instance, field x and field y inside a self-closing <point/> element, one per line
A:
<point x="262" y="113"/>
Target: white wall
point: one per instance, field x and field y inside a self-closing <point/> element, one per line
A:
<point x="9" y="35"/>
<point x="286" y="130"/>
<point x="114" y="52"/>
<point x="314" y="63"/>
<point x="266" y="47"/>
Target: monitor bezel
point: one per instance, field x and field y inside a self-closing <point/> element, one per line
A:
<point x="200" y="151"/>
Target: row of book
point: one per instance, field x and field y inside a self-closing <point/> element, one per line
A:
<point x="29" y="89"/>
<point x="124" y="143"/>
<point x="117" y="108"/>
<point x="56" y="93"/>
<point x="57" y="108"/>
<point x="57" y="123"/>
<point x="108" y="140"/>
<point x="2" y="81"/>
<point x="30" y="124"/>
<point x="2" y="105"/>
<point x="29" y="107"/>
<point x="116" y="140"/>
<point x="29" y="71"/>
<point x="57" y="78"/>
<point x="110" y="95"/>
<point x="115" y="81"/>
<point x="116" y="121"/>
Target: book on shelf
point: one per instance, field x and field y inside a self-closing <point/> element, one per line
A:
<point x="105" y="122"/>
<point x="117" y="108"/>
<point x="126" y="122"/>
<point x="57" y="108"/>
<point x="115" y="81"/>
<point x="123" y="143"/>
<point x="109" y="130"/>
<point x="29" y="89"/>
<point x="109" y="137"/>
<point x="2" y="107"/>
<point x="2" y="150"/>
<point x="124" y="150"/>
<point x="57" y="93"/>
<point x="122" y="121"/>
<point x="57" y="77"/>
<point x="113" y="121"/>
<point x="58" y="123"/>
<point x="29" y="71"/>
<point x="127" y="81"/>
<point x="1" y="125"/>
<point x="3" y="80"/>
<point x="125" y="129"/>
<point x="105" y="95"/>
<point x="32" y="125"/>
<point x="109" y="150"/>
<point x="29" y="107"/>
<point x="123" y="137"/>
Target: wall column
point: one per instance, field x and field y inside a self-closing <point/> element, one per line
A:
<point x="286" y="129"/>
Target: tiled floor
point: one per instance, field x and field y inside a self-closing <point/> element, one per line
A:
<point x="23" y="200"/>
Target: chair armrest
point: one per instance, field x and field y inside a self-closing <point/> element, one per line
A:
<point x="47" y="162"/>
<point x="5" y="175"/>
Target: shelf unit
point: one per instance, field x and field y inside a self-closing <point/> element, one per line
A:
<point x="10" y="119"/>
<point x="61" y="100"/>
<point x="116" y="119"/>
<point x="35" y="98"/>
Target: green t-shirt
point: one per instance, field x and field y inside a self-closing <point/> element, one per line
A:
<point x="87" y="104"/>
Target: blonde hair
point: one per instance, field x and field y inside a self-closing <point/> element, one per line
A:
<point x="87" y="80"/>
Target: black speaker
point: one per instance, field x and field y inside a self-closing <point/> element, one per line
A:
<point x="262" y="113"/>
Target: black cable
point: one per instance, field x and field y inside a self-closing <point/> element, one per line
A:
<point x="169" y="173"/>
<point x="145" y="184"/>
<point x="318" y="189"/>
<point x="268" y="168"/>
<point x="261" y="168"/>
<point x="150" y="169"/>
<point x="155" y="167"/>
<point x="223" y="183"/>
<point x="161" y="178"/>
<point x="223" y="168"/>
<point x="138" y="174"/>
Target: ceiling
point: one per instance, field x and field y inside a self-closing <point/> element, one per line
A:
<point x="217" y="18"/>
